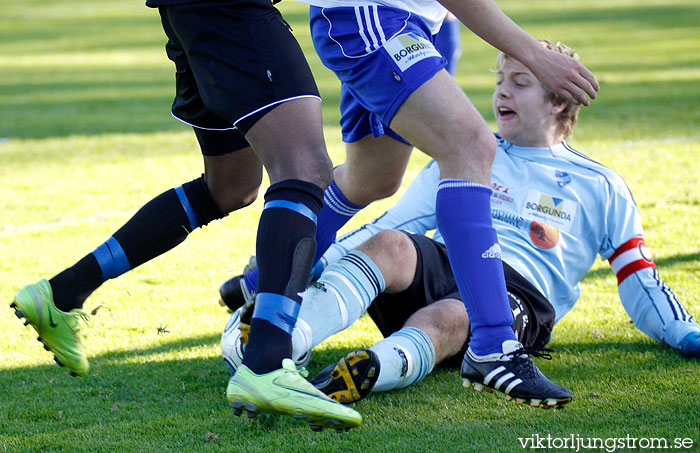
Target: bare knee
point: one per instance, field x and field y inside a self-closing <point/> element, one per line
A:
<point x="470" y="157"/>
<point x="232" y="195"/>
<point x="395" y="255"/>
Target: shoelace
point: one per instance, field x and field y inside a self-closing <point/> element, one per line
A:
<point x="524" y="365"/>
<point x="81" y="315"/>
<point x="535" y="352"/>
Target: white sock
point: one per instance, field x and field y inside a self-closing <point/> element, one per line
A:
<point x="337" y="300"/>
<point x="405" y="357"/>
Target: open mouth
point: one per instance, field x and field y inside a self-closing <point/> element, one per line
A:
<point x="504" y="113"/>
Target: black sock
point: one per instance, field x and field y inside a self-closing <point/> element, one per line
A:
<point x="285" y="250"/>
<point x="160" y="225"/>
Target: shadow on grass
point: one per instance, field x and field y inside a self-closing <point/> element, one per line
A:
<point x="174" y="403"/>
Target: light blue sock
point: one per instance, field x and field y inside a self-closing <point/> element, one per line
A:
<point x="337" y="300"/>
<point x="405" y="357"/>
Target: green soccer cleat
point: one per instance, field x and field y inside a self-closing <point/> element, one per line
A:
<point x="285" y="391"/>
<point x="58" y="331"/>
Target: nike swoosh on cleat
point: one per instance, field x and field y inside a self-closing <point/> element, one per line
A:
<point x="51" y="323"/>
<point x="40" y="307"/>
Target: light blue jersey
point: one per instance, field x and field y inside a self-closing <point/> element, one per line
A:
<point x="555" y="210"/>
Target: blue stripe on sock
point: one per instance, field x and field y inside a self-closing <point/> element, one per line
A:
<point x="194" y="223"/>
<point x="300" y="208"/>
<point x="277" y="309"/>
<point x="112" y="259"/>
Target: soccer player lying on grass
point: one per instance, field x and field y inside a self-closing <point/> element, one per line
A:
<point x="396" y="94"/>
<point x="554" y="210"/>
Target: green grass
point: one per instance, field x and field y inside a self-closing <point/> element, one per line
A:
<point x="87" y="138"/>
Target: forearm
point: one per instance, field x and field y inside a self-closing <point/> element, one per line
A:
<point x="490" y="23"/>
<point x="655" y="309"/>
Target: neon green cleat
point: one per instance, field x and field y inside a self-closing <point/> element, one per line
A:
<point x="58" y="331"/>
<point x="285" y="391"/>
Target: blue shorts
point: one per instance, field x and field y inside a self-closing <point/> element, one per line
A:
<point x="381" y="55"/>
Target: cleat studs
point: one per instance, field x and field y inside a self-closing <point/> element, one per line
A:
<point x="58" y="362"/>
<point x="46" y="348"/>
<point x="534" y="402"/>
<point x="73" y="374"/>
<point x="519" y="401"/>
<point x="478" y="387"/>
<point x="488" y="390"/>
<point x="237" y="411"/>
<point x="251" y="415"/>
<point x="13" y="305"/>
<point x="551" y="402"/>
<point x="26" y="322"/>
<point x="19" y="313"/>
<point x="509" y="398"/>
<point x="466" y="383"/>
<point x="316" y="428"/>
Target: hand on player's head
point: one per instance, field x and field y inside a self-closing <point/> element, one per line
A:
<point x="566" y="77"/>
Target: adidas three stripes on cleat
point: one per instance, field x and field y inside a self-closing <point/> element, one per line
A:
<point x="514" y="373"/>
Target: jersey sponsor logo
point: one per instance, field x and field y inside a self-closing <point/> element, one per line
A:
<point x="563" y="178"/>
<point x="543" y="235"/>
<point x="508" y="218"/>
<point x="500" y="194"/>
<point x="493" y="252"/>
<point x="408" y="49"/>
<point x="553" y="211"/>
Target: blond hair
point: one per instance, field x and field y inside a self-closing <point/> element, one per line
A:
<point x="566" y="118"/>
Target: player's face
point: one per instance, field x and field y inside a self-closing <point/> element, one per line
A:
<point x="524" y="115"/>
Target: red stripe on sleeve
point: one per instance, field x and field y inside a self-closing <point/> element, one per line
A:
<point x="632" y="243"/>
<point x="631" y="268"/>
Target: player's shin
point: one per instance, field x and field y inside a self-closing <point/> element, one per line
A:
<point x="464" y="218"/>
<point x="337" y="300"/>
<point x="337" y="210"/>
<point x="405" y="357"/>
<point x="285" y="251"/>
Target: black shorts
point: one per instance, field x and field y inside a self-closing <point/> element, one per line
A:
<point x="235" y="60"/>
<point x="532" y="313"/>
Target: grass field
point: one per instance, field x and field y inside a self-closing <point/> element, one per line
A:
<point x="86" y="138"/>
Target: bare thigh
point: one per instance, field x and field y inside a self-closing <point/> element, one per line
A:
<point x="440" y="120"/>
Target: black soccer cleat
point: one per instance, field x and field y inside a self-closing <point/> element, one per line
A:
<point x="514" y="373"/>
<point x="351" y="379"/>
<point x="234" y="292"/>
